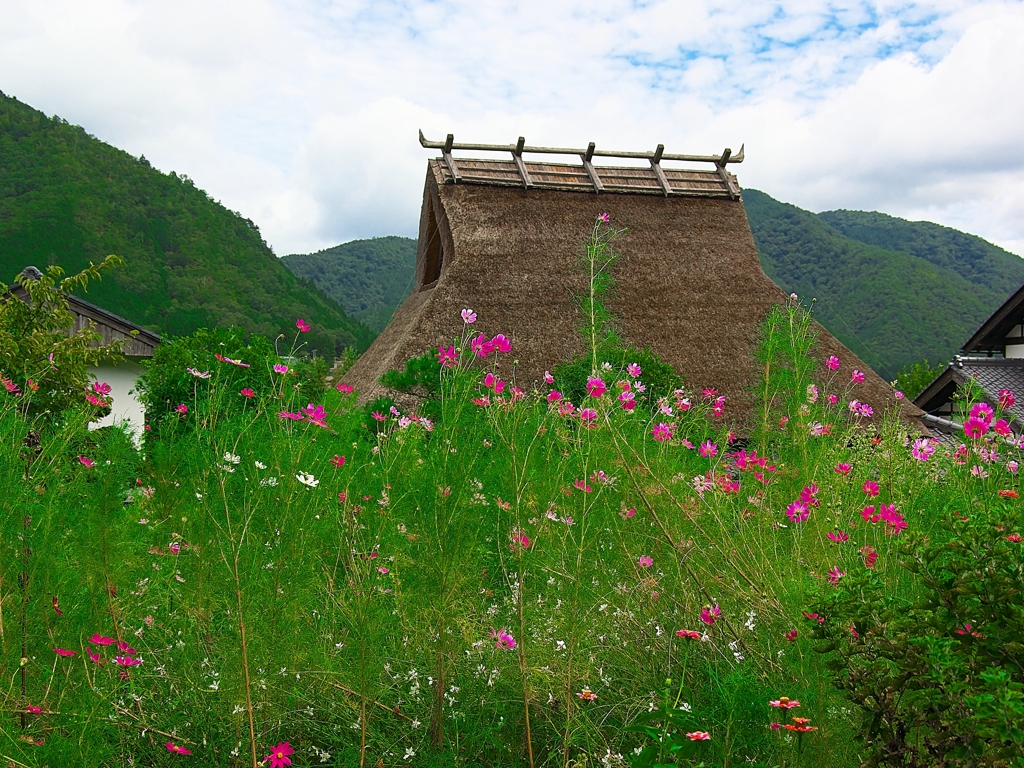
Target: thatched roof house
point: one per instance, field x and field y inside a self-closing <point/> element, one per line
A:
<point x="504" y="238"/>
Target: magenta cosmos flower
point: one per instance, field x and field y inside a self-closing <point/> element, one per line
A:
<point x="662" y="432"/>
<point x="690" y="633"/>
<point x="181" y="408"/>
<point x="86" y="461"/>
<point x="838" y="536"/>
<point x="871" y="488"/>
<point x="64" y="652"/>
<point x="708" y="449"/>
<point x="832" y="363"/>
<point x="842" y="468"/>
<point x="279" y="368"/>
<point x="446" y="356"/>
<point x="797" y="512"/>
<point x="279" y="755"/>
<point x="247" y="392"/>
<point x="595" y="387"/>
<point x="699" y="736"/>
<point x="835" y="575"/>
<point x="709" y="613"/>
<point x="1006" y="398"/>
<point x="172" y="747"/>
<point x="604" y="218"/>
<point x="302" y="325"/>
<point x="975" y="427"/>
<point x="857" y="376"/>
<point x="104" y="388"/>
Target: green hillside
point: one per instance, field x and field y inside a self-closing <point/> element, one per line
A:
<point x="67" y="198"/>
<point x="918" y="297"/>
<point x="369" y="278"/>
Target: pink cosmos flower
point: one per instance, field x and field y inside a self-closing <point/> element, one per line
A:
<point x="588" y="417"/>
<point x="95" y="399"/>
<point x="287" y="415"/>
<point x="548" y="378"/>
<point x="662" y="432"/>
<point x="791" y="635"/>
<point x="631" y="512"/>
<point x="383" y="570"/>
<point x="595" y="387"/>
<point x="124" y="647"/>
<point x="869" y="555"/>
<point x="86" y="461"/>
<point x="708" y="449"/>
<point x="278" y="757"/>
<point x="797" y="512"/>
<point x="98" y="639"/>
<point x="481" y="346"/>
<point x="871" y="488"/>
<point x="95" y="657"/>
<point x="172" y="747"/>
<point x="627" y="400"/>
<point x="582" y="486"/>
<point x="302" y="325"/>
<point x="337" y="461"/>
<point x="468" y="316"/>
<point x="447" y="357"/>
<point x="842" y="468"/>
<point x="814" y="617"/>
<point x="247" y="392"/>
<point x="835" y="575"/>
<point x="503" y="641"/>
<point x="709" y="613"/>
<point x="857" y="376"/>
<point x="693" y="635"/>
<point x="1001" y="428"/>
<point x="378" y="416"/>
<point x="1012" y="466"/>
<point x="604" y="218"/>
<point x="645" y="561"/>
<point x="181" y="408"/>
<point x="832" y="363"/>
<point x="101" y="389"/>
<point x="634" y="370"/>
<point x="809" y="495"/>
<point x="554" y="396"/>
<point x="975" y="427"/>
<point x="865" y="410"/>
<point x="709" y="392"/>
<point x="280" y="368"/>
<point x="345" y="389"/>
<point x="518" y="538"/>
<point x="982" y="411"/>
<point x="922" y="449"/>
<point x="198" y="374"/>
<point x="315" y="414"/>
<point x="501" y="344"/>
<point x="832" y="399"/>
<point x="1006" y="398"/>
<point x="64" y="652"/>
<point x="838" y="536"/>
<point x="699" y="736"/>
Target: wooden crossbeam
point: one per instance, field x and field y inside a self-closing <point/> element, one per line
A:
<point x="523" y="148"/>
<point x="734" y="193"/>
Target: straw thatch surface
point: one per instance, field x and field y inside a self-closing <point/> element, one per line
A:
<point x="689" y="285"/>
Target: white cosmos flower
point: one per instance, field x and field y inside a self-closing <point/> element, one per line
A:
<point x="232" y="458"/>
<point x="307" y="480"/>
<point x="260" y="465"/>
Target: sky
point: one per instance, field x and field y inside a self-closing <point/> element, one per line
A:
<point x="302" y="115"/>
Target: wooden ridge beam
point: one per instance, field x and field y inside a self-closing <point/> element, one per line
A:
<point x="588" y="166"/>
<point x="517" y="156"/>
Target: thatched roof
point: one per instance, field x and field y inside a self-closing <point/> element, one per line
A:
<point x="688" y="283"/>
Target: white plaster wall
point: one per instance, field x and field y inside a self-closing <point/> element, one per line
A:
<point x="1014" y="350"/>
<point x="121" y="378"/>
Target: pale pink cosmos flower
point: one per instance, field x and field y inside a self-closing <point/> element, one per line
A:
<point x="784" y="703"/>
<point x="604" y="218"/>
<point x="645" y="561"/>
<point x="468" y="316"/>
<point x="922" y="449"/>
<point x="279" y="368"/>
<point x="699" y="736"/>
<point x="979" y="472"/>
<point x="582" y="486"/>
<point x="1012" y="466"/>
<point x="198" y="374"/>
<point x="634" y="370"/>
<point x="503" y="640"/>
<point x="835" y="575"/>
<point x="548" y="378"/>
<point x="832" y="363"/>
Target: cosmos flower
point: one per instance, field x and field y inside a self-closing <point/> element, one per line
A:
<point x="302" y="325"/>
<point x="278" y="757"/>
<point x="468" y="316"/>
<point x="832" y="363"/>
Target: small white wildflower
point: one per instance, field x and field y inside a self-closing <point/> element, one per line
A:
<point x="260" y="465"/>
<point x="307" y="479"/>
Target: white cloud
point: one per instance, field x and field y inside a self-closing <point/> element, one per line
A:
<point x="302" y="114"/>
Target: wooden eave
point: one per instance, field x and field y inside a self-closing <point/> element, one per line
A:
<point x="992" y="333"/>
<point x="939" y="392"/>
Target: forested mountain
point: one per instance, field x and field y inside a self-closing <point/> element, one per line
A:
<point x="894" y="291"/>
<point x="67" y="198"/>
<point x="369" y="278"/>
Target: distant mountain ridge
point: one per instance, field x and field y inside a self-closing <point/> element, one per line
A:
<point x="369" y="278"/>
<point x="67" y="198"/>
<point x="894" y="291"/>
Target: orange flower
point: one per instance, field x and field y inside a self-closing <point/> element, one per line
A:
<point x="1009" y="494"/>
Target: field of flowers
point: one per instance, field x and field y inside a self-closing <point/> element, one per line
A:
<point x="518" y="581"/>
